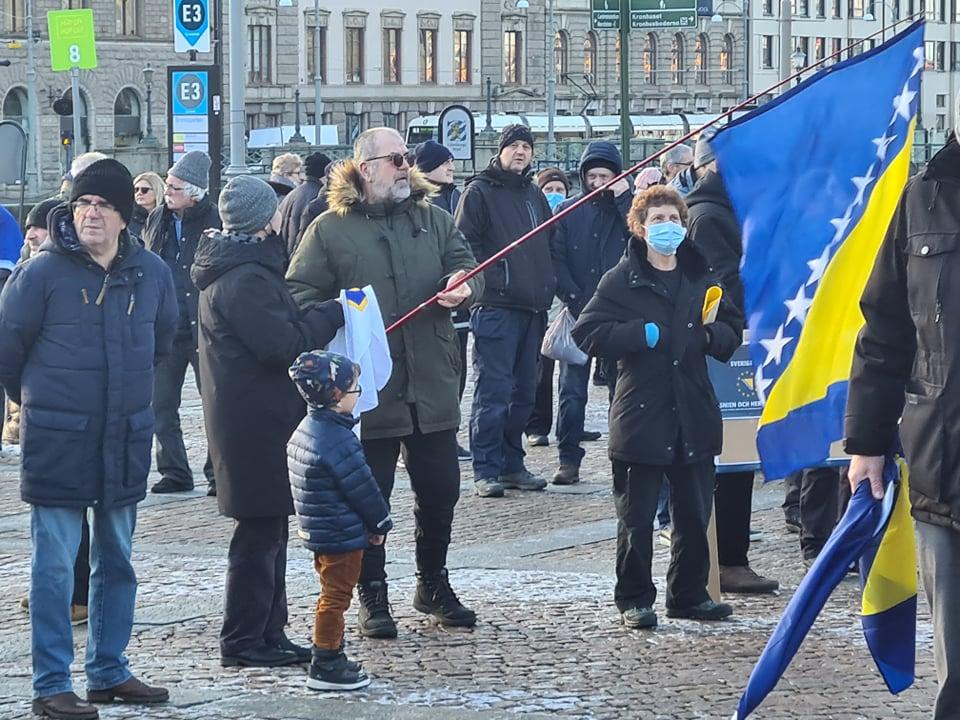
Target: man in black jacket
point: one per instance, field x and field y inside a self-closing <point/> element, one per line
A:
<point x="588" y="242"/>
<point x="905" y="363"/>
<point x="715" y="230"/>
<point x="172" y="231"/>
<point x="498" y="206"/>
<point x="296" y="201"/>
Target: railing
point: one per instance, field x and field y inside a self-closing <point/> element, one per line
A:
<point x="259" y="160"/>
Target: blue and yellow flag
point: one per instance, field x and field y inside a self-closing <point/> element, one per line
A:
<point x="814" y="178"/>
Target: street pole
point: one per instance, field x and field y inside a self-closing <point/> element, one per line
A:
<point x="551" y="82"/>
<point x="626" y="127"/>
<point x="75" y="97"/>
<point x="746" y="49"/>
<point x="786" y="42"/>
<point x="34" y="174"/>
<point x="317" y="77"/>
<point x="488" y="128"/>
<point x="238" y="91"/>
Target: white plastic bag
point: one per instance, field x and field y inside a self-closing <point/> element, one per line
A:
<point x="558" y="343"/>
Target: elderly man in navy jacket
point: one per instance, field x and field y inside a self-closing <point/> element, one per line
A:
<point x="81" y="326"/>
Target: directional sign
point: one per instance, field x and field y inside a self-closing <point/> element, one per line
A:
<point x="191" y="26"/>
<point x="194" y="114"/>
<point x="653" y="14"/>
<point x="605" y="14"/>
<point x="71" y="39"/>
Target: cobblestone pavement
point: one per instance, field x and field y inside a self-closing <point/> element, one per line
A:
<point x="537" y="567"/>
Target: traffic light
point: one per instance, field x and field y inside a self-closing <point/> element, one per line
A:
<point x="66" y="138"/>
<point x="64" y="104"/>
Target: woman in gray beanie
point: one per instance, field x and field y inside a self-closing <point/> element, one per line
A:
<point x="251" y="331"/>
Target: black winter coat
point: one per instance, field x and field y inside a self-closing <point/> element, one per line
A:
<point x="337" y="499"/>
<point x="496" y="208"/>
<point x="160" y="237"/>
<point x="714" y="229"/>
<point x="77" y="350"/>
<point x="314" y="209"/>
<point x="907" y="357"/>
<point x="447" y="197"/>
<point x="291" y="211"/>
<point x="664" y="411"/>
<point x="251" y="331"/>
<point x="590" y="240"/>
<point x="136" y="224"/>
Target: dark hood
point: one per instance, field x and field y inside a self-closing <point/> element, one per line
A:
<point x="599" y="150"/>
<point x="218" y="253"/>
<point x="496" y="175"/>
<point x="945" y="165"/>
<point x="709" y="189"/>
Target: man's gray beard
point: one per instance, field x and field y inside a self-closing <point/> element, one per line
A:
<point x="398" y="194"/>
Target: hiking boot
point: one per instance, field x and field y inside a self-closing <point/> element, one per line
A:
<point x="707" y="610"/>
<point x="374" y="616"/>
<point x="330" y="670"/>
<point x="488" y="487"/>
<point x="590" y="436"/>
<point x="130" y="692"/>
<point x="169" y="485"/>
<point x="523" y="480"/>
<point x="64" y="706"/>
<point x="538" y="440"/>
<point x="638" y="618"/>
<point x="435" y="597"/>
<point x="567" y="475"/>
<point x="742" y="580"/>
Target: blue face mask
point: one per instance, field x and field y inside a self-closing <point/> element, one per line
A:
<point x="666" y="237"/>
<point x="554" y="199"/>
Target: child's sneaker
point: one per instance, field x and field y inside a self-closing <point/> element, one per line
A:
<point x="330" y="670"/>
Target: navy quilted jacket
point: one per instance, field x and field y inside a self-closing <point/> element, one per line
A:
<point x="338" y="502"/>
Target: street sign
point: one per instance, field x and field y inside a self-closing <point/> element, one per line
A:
<point x="456" y="131"/>
<point x="191" y="26"/>
<point x="72" y="43"/>
<point x="654" y="14"/>
<point x="605" y="14"/>
<point x="194" y="116"/>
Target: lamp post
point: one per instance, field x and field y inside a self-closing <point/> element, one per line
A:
<point x="798" y="61"/>
<point x="317" y="75"/>
<point x="297" y="137"/>
<point x="149" y="138"/>
<point x="551" y="83"/>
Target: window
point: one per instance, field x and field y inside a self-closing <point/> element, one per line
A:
<point x="391" y="56"/>
<point x="354" y="56"/>
<point x="941" y="122"/>
<point x="942" y="11"/>
<point x="462" y="52"/>
<point x="768" y="8"/>
<point x="956" y="11"/>
<point x="801" y="8"/>
<point x="428" y="56"/>
<point x="836" y="47"/>
<point x="821" y="8"/>
<point x="126" y="118"/>
<point x="930" y="54"/>
<point x="77" y="4"/>
<point x="260" y="59"/>
<point x="677" y="59"/>
<point x="941" y="101"/>
<point x="650" y="59"/>
<point x="127" y="17"/>
<point x="819" y="49"/>
<point x="392" y="120"/>
<point x="253" y="121"/>
<point x="15" y="15"/>
<point x="560" y="47"/>
<point x="512" y="57"/>
<point x="700" y="58"/>
<point x="616" y="56"/>
<point x="766" y="51"/>
<point x="726" y="59"/>
<point x="310" y="45"/>
<point x="955" y="56"/>
<point x="836" y="9"/>
<point x="15" y="105"/>
<point x="273" y="120"/>
<point x="590" y="55"/>
<point x="940" y="61"/>
<point x="354" y="123"/>
<point x="803" y="45"/>
<point x="855" y="8"/>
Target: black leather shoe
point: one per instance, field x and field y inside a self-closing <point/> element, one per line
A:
<point x="131" y="692"/>
<point x="304" y="654"/>
<point x="707" y="610"/>
<point x="590" y="436"/>
<point x="64" y="706"/>
<point x="211" y="490"/>
<point x="169" y="485"/>
<point x="261" y="656"/>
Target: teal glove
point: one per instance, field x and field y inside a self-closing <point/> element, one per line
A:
<point x="652" y="334"/>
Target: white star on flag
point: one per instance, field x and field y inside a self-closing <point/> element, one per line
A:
<point x="761" y="384"/>
<point x="882" y="144"/>
<point x="818" y="267"/>
<point x="798" y="307"/>
<point x="841" y="224"/>
<point x="902" y="102"/>
<point x="921" y="59"/>
<point x="774" y="347"/>
<point x="861" y="184"/>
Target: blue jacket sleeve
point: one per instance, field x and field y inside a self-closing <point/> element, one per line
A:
<point x="21" y="317"/>
<point x="165" y="326"/>
<point x="359" y="488"/>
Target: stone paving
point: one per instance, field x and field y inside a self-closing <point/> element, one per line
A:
<point x="537" y="567"/>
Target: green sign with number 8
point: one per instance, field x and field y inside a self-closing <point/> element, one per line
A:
<point x="71" y="39"/>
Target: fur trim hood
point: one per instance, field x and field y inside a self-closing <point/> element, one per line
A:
<point x="344" y="190"/>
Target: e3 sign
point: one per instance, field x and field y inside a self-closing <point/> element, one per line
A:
<point x="191" y="26"/>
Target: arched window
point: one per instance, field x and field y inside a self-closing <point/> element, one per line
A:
<point x="15" y="105"/>
<point x="561" y="46"/>
<point x="126" y="117"/>
<point x="650" y="59"/>
<point x="677" y="59"/>
<point x="590" y="56"/>
<point x="701" y="58"/>
<point x="726" y="59"/>
<point x="616" y="55"/>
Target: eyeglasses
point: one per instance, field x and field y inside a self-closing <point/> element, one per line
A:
<point x="398" y="159"/>
<point x="142" y="190"/>
<point x="83" y="206"/>
<point x="355" y="391"/>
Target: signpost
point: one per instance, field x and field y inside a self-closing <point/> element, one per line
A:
<point x="457" y="131"/>
<point x="191" y="26"/>
<point x="655" y="14"/>
<point x="72" y="46"/>
<point x="605" y="14"/>
<point x="194" y="115"/>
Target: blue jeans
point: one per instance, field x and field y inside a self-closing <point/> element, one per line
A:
<point x="506" y="345"/>
<point x="574" y="384"/>
<point x="55" y="532"/>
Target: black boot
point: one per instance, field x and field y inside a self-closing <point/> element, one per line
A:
<point x="374" y="615"/>
<point x="435" y="597"/>
<point x="330" y="670"/>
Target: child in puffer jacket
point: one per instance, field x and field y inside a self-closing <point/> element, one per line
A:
<point x="340" y="508"/>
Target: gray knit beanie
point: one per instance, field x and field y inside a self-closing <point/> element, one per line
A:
<point x="703" y="153"/>
<point x="246" y="205"/>
<point x="194" y="168"/>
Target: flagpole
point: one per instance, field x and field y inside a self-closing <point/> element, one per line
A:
<point x="646" y="161"/>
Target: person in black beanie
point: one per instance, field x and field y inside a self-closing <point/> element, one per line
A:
<point x="499" y="205"/>
<point x="296" y="201"/>
<point x="92" y="312"/>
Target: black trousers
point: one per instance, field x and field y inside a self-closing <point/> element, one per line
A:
<point x="462" y="337"/>
<point x="734" y="503"/>
<point x="431" y="461"/>
<point x="81" y="568"/>
<point x="541" y="419"/>
<point x="635" y="491"/>
<point x="824" y="494"/>
<point x="255" y="597"/>
<point x="791" y="495"/>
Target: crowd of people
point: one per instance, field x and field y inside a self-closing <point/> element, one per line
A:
<point x="122" y="283"/>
